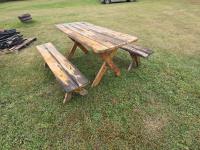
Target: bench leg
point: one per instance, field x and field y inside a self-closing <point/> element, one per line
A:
<point x="131" y="65"/>
<point x="45" y="65"/>
<point x="135" y="60"/>
<point x="68" y="96"/>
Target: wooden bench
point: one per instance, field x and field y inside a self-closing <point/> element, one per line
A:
<point x="136" y="52"/>
<point x="65" y="72"/>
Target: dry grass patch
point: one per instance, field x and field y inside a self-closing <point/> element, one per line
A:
<point x="155" y="125"/>
<point x="196" y="2"/>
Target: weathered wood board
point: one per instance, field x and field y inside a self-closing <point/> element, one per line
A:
<point x="66" y="73"/>
<point x="69" y="68"/>
<point x="137" y="50"/>
<point x="81" y="39"/>
<point x="56" y="68"/>
<point x="99" y="39"/>
<point x="15" y="49"/>
<point x="24" y="44"/>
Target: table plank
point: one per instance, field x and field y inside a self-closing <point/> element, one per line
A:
<point x="110" y="33"/>
<point x="99" y="39"/>
<point x="98" y="48"/>
<point x="89" y="35"/>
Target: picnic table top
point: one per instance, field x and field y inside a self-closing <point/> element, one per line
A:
<point x="98" y="38"/>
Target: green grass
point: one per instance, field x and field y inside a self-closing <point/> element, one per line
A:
<point x="156" y="106"/>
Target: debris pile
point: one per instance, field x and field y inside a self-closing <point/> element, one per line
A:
<point x="12" y="41"/>
<point x="10" y="38"/>
<point x="25" y="17"/>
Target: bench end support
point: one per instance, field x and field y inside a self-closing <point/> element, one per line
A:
<point x="68" y="96"/>
<point x="135" y="60"/>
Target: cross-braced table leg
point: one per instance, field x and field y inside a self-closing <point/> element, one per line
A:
<point x="107" y="58"/>
<point x="82" y="47"/>
<point x="100" y="74"/>
<point x="73" y="49"/>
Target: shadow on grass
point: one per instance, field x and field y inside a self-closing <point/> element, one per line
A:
<point x="90" y="64"/>
<point x="28" y="24"/>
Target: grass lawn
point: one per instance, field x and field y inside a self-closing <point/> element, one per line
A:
<point x="156" y="106"/>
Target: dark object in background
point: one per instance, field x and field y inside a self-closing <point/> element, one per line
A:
<point x="10" y="38"/>
<point x="25" y="18"/>
<point x="113" y="1"/>
<point x="13" y="41"/>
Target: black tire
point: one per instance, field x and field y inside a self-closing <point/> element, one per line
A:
<point x="107" y="1"/>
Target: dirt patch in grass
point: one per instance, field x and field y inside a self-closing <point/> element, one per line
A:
<point x="155" y="126"/>
<point x="194" y="2"/>
<point x="109" y="131"/>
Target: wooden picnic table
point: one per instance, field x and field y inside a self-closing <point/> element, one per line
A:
<point x="104" y="42"/>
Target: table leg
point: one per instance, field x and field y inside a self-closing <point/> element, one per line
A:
<point x="72" y="51"/>
<point x="100" y="75"/>
<point x="108" y="59"/>
<point x="82" y="48"/>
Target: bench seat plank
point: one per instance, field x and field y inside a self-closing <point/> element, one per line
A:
<point x="137" y="50"/>
<point x="69" y="68"/>
<point x="57" y="70"/>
